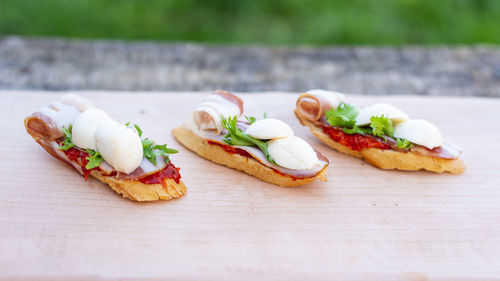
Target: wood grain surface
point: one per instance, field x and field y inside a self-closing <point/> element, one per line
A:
<point x="363" y="224"/>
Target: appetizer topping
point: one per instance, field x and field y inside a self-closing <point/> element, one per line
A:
<point x="345" y="117"/>
<point x="393" y="113"/>
<point x="151" y="151"/>
<point x="169" y="172"/>
<point x="80" y="103"/>
<point x="266" y="129"/>
<point x="312" y="104"/>
<point x="120" y="146"/>
<point x="207" y="116"/>
<point x="68" y="138"/>
<point x="95" y="159"/>
<point x="235" y="136"/>
<point x="356" y="142"/>
<point x="292" y="153"/>
<point x="334" y="98"/>
<point x="85" y="127"/>
<point x="420" y="132"/>
<point x="60" y="113"/>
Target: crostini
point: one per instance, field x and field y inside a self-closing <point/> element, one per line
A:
<point x="381" y="134"/>
<point x="86" y="138"/>
<point x="266" y="148"/>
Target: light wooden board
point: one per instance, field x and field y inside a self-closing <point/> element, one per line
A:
<point x="363" y="224"/>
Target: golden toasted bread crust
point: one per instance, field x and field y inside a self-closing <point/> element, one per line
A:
<point x="248" y="165"/>
<point x="138" y="191"/>
<point x="390" y="159"/>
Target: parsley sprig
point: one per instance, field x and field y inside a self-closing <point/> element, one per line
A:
<point x="151" y="151"/>
<point x="343" y="116"/>
<point x="68" y="138"/>
<point x="235" y="136"/>
<point x="381" y="126"/>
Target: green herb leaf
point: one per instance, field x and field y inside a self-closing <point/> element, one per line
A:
<point x="95" y="159"/>
<point x="139" y="131"/>
<point x="404" y="143"/>
<point x="250" y="120"/>
<point x="151" y="151"/>
<point x="146" y="143"/>
<point x="149" y="154"/>
<point x="381" y="125"/>
<point x="163" y="148"/>
<point x="235" y="136"/>
<point x="127" y="124"/>
<point x="356" y="130"/>
<point x="68" y="138"/>
<point x="343" y="116"/>
<point x="265" y="115"/>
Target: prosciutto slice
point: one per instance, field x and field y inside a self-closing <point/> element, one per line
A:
<point x="45" y="126"/>
<point x="313" y="104"/>
<point x="207" y="116"/>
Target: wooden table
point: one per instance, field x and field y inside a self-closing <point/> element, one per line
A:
<point x="363" y="224"/>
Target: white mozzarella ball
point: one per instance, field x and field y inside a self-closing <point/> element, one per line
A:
<point x="378" y="109"/>
<point x="77" y="101"/>
<point x="292" y="153"/>
<point x="420" y="132"/>
<point x="120" y="146"/>
<point x="266" y="129"/>
<point x="86" y="125"/>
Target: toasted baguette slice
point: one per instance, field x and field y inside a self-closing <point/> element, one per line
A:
<point x="390" y="159"/>
<point x="131" y="189"/>
<point x="248" y="165"/>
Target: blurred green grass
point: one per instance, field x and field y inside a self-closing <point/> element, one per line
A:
<point x="275" y="22"/>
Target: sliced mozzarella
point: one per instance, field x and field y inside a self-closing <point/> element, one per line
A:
<point x="86" y="125"/>
<point x="333" y="98"/>
<point x="292" y="153"/>
<point x="378" y="109"/>
<point x="266" y="129"/>
<point x="420" y="132"/>
<point x="120" y="146"/>
<point x="77" y="101"/>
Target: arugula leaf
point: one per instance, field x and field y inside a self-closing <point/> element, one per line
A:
<point x="151" y="151"/>
<point x="343" y="116"/>
<point x="95" y="159"/>
<point x="68" y="138"/>
<point x="164" y="149"/>
<point x="381" y="125"/>
<point x="139" y="131"/>
<point x="250" y="119"/>
<point x="404" y="143"/>
<point x="235" y="136"/>
<point x="127" y="124"/>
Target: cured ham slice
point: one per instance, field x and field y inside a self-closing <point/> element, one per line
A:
<point x="313" y="104"/>
<point x="207" y="116"/>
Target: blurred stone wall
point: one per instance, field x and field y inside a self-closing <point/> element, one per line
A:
<point x="57" y="64"/>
